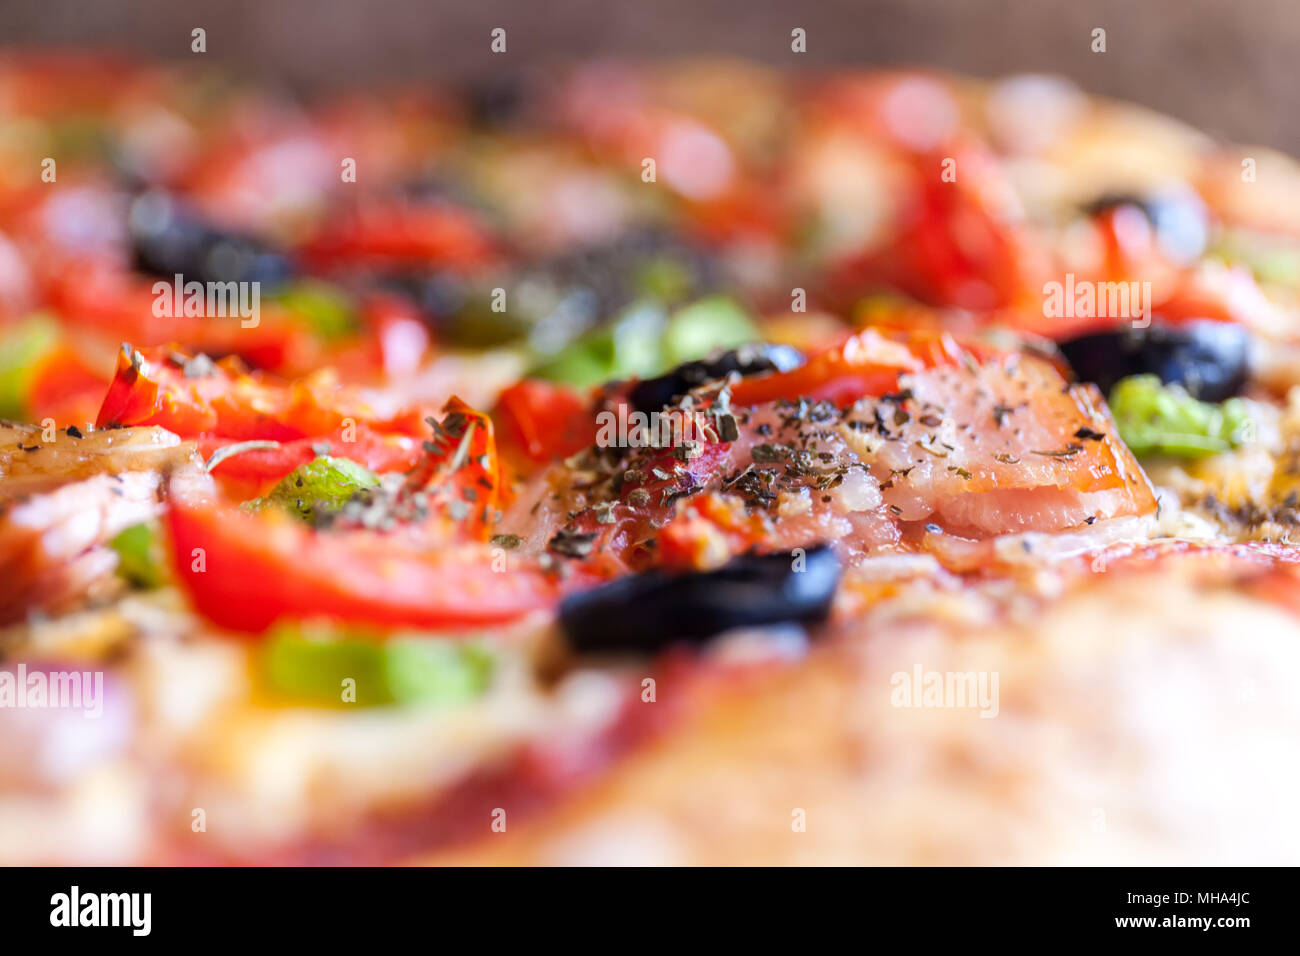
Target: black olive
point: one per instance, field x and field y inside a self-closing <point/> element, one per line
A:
<point x="497" y="101"/>
<point x="1209" y="359"/>
<point x="437" y="295"/>
<point x="1178" y="216"/>
<point x="168" y="239"/>
<point x="653" y="394"/>
<point x="644" y="613"/>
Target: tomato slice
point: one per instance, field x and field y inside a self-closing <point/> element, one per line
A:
<point x="245" y="572"/>
<point x="261" y="466"/>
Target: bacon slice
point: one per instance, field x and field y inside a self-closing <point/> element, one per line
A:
<point x="1001" y="449"/>
<point x="962" y="453"/>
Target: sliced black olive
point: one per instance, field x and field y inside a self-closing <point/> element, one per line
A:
<point x="1178" y="216"/>
<point x="1209" y="359"/>
<point x="653" y="394"/>
<point x="168" y="239"/>
<point x="646" y="612"/>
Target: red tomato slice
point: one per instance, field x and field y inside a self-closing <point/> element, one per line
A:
<point x="378" y="452"/>
<point x="246" y="572"/>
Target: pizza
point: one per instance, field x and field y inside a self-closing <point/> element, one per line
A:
<point x="633" y="464"/>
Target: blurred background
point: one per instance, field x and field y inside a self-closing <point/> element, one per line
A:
<point x="1227" y="67"/>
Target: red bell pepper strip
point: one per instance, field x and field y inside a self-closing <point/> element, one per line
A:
<point x="458" y="472"/>
<point x="65" y="387"/>
<point x="101" y="299"/>
<point x="225" y="404"/>
<point x="952" y="246"/>
<point x="395" y="235"/>
<point x="152" y="387"/>
<point x="543" y="421"/>
<point x="867" y="363"/>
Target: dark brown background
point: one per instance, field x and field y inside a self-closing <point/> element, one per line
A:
<point x="1229" y="66"/>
